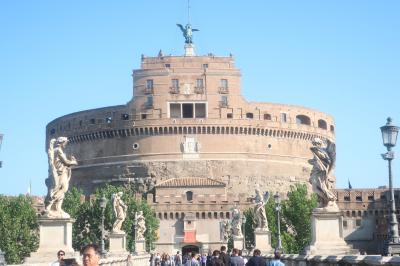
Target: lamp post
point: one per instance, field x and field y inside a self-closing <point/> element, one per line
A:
<point x="103" y="204"/>
<point x="389" y="137"/>
<point x="278" y="208"/>
<point x="244" y="231"/>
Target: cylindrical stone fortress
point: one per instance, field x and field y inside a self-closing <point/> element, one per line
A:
<point x="187" y="118"/>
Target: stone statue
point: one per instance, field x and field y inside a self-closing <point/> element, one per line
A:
<point x="119" y="208"/>
<point x="236" y="223"/>
<point x="58" y="180"/>
<point x="260" y="216"/>
<point x="187" y="32"/>
<point x="321" y="179"/>
<point x="140" y="225"/>
<point x="226" y="229"/>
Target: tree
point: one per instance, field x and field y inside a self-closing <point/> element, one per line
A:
<point x="86" y="228"/>
<point x="295" y="220"/>
<point x="18" y="228"/>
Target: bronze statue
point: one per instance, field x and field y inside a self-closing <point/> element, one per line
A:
<point x="187" y="32"/>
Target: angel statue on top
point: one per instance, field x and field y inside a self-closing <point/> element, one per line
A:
<point x="321" y="174"/>
<point x="187" y="32"/>
<point x="260" y="216"/>
<point x="59" y="175"/>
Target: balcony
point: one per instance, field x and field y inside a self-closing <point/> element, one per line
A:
<point x="199" y="90"/>
<point x="174" y="90"/>
<point x="223" y="90"/>
<point x="148" y="90"/>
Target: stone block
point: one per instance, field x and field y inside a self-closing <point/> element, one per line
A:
<point x="238" y="242"/>
<point x="140" y="247"/>
<point x="117" y="243"/>
<point x="263" y="241"/>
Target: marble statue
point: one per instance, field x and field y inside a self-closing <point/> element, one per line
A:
<point x="58" y="180"/>
<point x="321" y="178"/>
<point x="140" y="225"/>
<point x="226" y="229"/>
<point x="187" y="32"/>
<point x="236" y="223"/>
<point x="260" y="216"/>
<point x="120" y="209"/>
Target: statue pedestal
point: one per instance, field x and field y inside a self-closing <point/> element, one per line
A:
<point x="327" y="234"/>
<point x="117" y="243"/>
<point x="140" y="246"/>
<point x="262" y="239"/>
<point x="189" y="49"/>
<point x="55" y="234"/>
<point x="238" y="242"/>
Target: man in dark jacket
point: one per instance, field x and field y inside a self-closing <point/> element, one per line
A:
<point x="215" y="260"/>
<point x="226" y="259"/>
<point x="235" y="259"/>
<point x="256" y="260"/>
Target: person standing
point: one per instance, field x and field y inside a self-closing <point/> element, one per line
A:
<point x="91" y="255"/>
<point x="256" y="260"/>
<point x="60" y="257"/>
<point x="193" y="261"/>
<point x="226" y="259"/>
<point x="215" y="260"/>
<point x="277" y="260"/>
<point x="235" y="259"/>
<point x="178" y="259"/>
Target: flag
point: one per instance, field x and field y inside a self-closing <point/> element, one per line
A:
<point x="350" y="187"/>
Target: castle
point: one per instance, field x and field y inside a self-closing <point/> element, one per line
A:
<point x="189" y="133"/>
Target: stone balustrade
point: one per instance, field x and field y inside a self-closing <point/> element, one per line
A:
<point x="315" y="260"/>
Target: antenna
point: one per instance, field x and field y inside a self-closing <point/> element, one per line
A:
<point x="188" y="11"/>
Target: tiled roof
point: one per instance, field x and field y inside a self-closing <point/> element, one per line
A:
<point x="191" y="182"/>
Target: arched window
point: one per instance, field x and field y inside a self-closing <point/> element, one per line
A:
<point x="322" y="124"/>
<point x="189" y="195"/>
<point x="303" y="120"/>
<point x="267" y="117"/>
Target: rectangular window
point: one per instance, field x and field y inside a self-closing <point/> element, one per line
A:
<point x="200" y="110"/>
<point x="346" y="198"/>
<point x="175" y="83"/>
<point x="229" y="115"/>
<point x="187" y="110"/>
<point x="224" y="83"/>
<point x="205" y="65"/>
<point x="175" y="110"/>
<point x="370" y="198"/>
<point x="143" y="116"/>
<point x="344" y="224"/>
<point x="199" y="83"/>
<point x="149" y="102"/>
<point x="149" y="84"/>
<point x="224" y="101"/>
<point x="358" y="222"/>
<point x="283" y="117"/>
<point x="358" y="198"/>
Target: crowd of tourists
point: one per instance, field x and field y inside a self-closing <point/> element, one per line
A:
<point x="216" y="258"/>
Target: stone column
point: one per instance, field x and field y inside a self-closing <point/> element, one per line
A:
<point x="327" y="234"/>
<point x="55" y="234"/>
<point x="262" y="239"/>
<point x="140" y="246"/>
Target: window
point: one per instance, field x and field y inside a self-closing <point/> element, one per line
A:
<point x="149" y="102"/>
<point x="303" y="120"/>
<point x="143" y="116"/>
<point x="205" y="65"/>
<point x="229" y="115"/>
<point x="108" y="120"/>
<point x="267" y="117"/>
<point x="175" y="83"/>
<point x="125" y="117"/>
<point x="283" y="117"/>
<point x="224" y="83"/>
<point x="167" y="65"/>
<point x="346" y="198"/>
<point x="358" y="198"/>
<point x="332" y="128"/>
<point x="200" y="83"/>
<point x="189" y="195"/>
<point x="224" y="101"/>
<point x="358" y="222"/>
<point x="187" y="110"/>
<point x="175" y="110"/>
<point x="200" y="110"/>
<point x="149" y="84"/>
<point x="249" y="115"/>
<point x="92" y="121"/>
<point x="370" y="198"/>
<point x="322" y="124"/>
<point x="52" y="131"/>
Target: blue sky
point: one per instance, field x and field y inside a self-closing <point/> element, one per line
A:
<point x="340" y="57"/>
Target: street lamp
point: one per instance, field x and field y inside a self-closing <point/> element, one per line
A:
<point x="103" y="204"/>
<point x="389" y="137"/>
<point x="278" y="208"/>
<point x="244" y="231"/>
